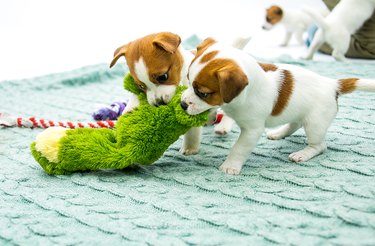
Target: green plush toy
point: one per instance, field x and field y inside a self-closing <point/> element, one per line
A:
<point x="140" y="137"/>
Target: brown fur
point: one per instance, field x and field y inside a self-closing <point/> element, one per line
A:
<point x="285" y="92"/>
<point x="209" y="56"/>
<point x="160" y="54"/>
<point x="268" y="67"/>
<point x="203" y="46"/>
<point x="274" y="14"/>
<point x="223" y="79"/>
<point x="347" y="85"/>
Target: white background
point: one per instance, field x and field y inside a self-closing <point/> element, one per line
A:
<point x="43" y="36"/>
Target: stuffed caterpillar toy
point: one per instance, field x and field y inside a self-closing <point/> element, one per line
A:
<point x="140" y="137"/>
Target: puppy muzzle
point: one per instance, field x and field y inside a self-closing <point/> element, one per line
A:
<point x="159" y="102"/>
<point x="184" y="105"/>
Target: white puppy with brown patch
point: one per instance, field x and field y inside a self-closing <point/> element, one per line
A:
<point x="336" y="29"/>
<point x="259" y="96"/>
<point x="158" y="64"/>
<point x="295" y="22"/>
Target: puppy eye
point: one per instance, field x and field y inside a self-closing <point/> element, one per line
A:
<point x="268" y="19"/>
<point x="162" y="78"/>
<point x="201" y="94"/>
<point x="142" y="87"/>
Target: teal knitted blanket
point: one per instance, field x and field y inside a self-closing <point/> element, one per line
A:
<point x="186" y="200"/>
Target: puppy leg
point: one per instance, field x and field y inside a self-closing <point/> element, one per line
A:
<point x="287" y="37"/>
<point x="341" y="45"/>
<point x="339" y="55"/>
<point x="132" y="104"/>
<point x="316" y="129"/>
<point x="299" y="37"/>
<point x="284" y="131"/>
<point x="211" y="117"/>
<point x="225" y="125"/>
<point x="315" y="45"/>
<point x="191" y="142"/>
<point x="240" y="151"/>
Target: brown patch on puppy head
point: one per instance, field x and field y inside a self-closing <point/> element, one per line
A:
<point x="274" y="14"/>
<point x="203" y="46"/>
<point x="120" y="51"/>
<point x="268" y="67"/>
<point x="285" y="92"/>
<point x="167" y="41"/>
<point x="160" y="54"/>
<point x="209" y="56"/>
<point x="347" y="85"/>
<point x="222" y="80"/>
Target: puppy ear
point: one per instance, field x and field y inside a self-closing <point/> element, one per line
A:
<point x="120" y="51"/>
<point x="278" y="11"/>
<point x="194" y="52"/>
<point x="167" y="41"/>
<point x="232" y="81"/>
<point x="205" y="44"/>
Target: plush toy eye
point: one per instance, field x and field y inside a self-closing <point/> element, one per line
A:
<point x="162" y="78"/>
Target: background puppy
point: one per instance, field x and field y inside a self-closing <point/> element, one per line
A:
<point x="343" y="21"/>
<point x="259" y="96"/>
<point x="295" y="22"/>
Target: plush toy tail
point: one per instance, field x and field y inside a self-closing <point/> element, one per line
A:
<point x="78" y="150"/>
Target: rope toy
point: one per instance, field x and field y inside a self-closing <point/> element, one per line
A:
<point x="8" y="120"/>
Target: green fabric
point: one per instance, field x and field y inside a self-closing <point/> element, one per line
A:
<point x="140" y="137"/>
<point x="186" y="200"/>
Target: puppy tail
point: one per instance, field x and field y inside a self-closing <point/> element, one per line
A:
<point x="317" y="17"/>
<point x="349" y="85"/>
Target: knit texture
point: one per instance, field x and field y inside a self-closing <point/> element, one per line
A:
<point x="186" y="200"/>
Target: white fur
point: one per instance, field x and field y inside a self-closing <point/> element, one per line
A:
<point x="344" y="20"/>
<point x="155" y="93"/>
<point x="312" y="105"/>
<point x="295" y="22"/>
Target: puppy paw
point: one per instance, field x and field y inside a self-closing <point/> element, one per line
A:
<point x="274" y="136"/>
<point x="220" y="130"/>
<point x="229" y="169"/>
<point x="189" y="151"/>
<point x="307" y="58"/>
<point x="297" y="157"/>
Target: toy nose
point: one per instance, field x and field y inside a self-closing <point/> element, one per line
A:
<point x="184" y="105"/>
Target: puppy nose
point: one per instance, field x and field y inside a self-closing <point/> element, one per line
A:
<point x="184" y="105"/>
<point x="159" y="102"/>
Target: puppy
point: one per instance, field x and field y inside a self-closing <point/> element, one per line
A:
<point x="343" y="21"/>
<point x="158" y="64"/>
<point x="259" y="96"/>
<point x="295" y="22"/>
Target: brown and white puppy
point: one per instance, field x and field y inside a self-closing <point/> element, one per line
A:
<point x="158" y="64"/>
<point x="295" y="22"/>
<point x="259" y="96"/>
